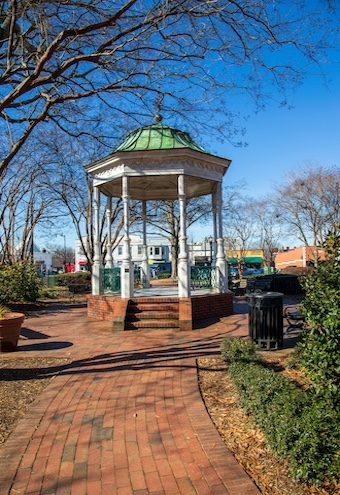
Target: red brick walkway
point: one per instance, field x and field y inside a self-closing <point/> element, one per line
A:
<point x="126" y="417"/>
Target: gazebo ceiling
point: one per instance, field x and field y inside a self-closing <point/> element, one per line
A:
<point x="153" y="157"/>
<point x="159" y="187"/>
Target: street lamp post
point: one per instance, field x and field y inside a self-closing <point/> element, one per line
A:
<point x="210" y="244"/>
<point x="64" y="236"/>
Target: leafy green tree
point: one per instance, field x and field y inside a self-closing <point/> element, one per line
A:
<point x="321" y="343"/>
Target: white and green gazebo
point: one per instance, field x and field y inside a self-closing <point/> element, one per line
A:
<point x="156" y="162"/>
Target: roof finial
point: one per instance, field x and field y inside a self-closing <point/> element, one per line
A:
<point x="158" y="116"/>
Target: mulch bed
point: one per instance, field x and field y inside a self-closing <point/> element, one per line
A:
<point x="242" y="437"/>
<point x="43" y="305"/>
<point x="21" y="381"/>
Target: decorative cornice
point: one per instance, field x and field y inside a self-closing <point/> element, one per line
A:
<point x="162" y="157"/>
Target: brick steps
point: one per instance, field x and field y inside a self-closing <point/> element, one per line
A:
<point x="150" y="308"/>
<point x="152" y="324"/>
<point x="152" y="313"/>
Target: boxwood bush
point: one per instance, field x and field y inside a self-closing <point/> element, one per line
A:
<point x="319" y="349"/>
<point x="76" y="278"/>
<point x="298" y="425"/>
<point x="234" y="349"/>
<point x="164" y="275"/>
<point x="19" y="283"/>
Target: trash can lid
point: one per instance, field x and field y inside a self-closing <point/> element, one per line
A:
<point x="267" y="294"/>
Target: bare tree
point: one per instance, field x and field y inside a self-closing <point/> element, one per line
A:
<point x="164" y="218"/>
<point x="239" y="226"/>
<point x="268" y="229"/>
<point x="64" y="254"/>
<point x="24" y="203"/>
<point x="309" y="204"/>
<point x="62" y="61"/>
<point x="72" y="191"/>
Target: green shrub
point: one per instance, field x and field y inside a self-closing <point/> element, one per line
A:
<point x="319" y="349"/>
<point x="19" y="283"/>
<point x="299" y="425"/>
<point x="164" y="275"/>
<point x="296" y="424"/>
<point x="314" y="455"/>
<point x="234" y="349"/>
<point x="272" y="399"/>
<point x="76" y="278"/>
<point x="47" y="293"/>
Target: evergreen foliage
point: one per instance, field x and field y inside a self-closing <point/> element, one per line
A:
<point x="19" y="283"/>
<point x="299" y="425"/>
<point x="320" y="348"/>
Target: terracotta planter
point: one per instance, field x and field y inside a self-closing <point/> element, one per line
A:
<point x="10" y="327"/>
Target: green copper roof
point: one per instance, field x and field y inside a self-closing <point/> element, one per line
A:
<point x="158" y="137"/>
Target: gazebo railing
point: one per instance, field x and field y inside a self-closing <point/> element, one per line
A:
<point x="110" y="280"/>
<point x="136" y="277"/>
<point x="203" y="277"/>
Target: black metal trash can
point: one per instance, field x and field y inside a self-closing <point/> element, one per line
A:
<point x="266" y="319"/>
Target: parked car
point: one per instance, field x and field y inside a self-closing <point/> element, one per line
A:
<point x="234" y="273"/>
<point x="252" y="272"/>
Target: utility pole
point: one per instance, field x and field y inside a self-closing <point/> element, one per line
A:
<point x="32" y="237"/>
<point x="65" y="254"/>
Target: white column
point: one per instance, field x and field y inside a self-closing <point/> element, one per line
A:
<point x="183" y="258"/>
<point x="145" y="268"/>
<point x="126" y="273"/>
<point x="221" y="264"/>
<point x="109" y="262"/>
<point x="214" y="246"/>
<point x="96" y="266"/>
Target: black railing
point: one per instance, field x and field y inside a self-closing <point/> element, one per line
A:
<point x="203" y="277"/>
<point x="110" y="280"/>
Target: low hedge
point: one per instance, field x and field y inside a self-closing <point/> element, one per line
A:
<point x="280" y="282"/>
<point x="164" y="275"/>
<point x="76" y="278"/>
<point x="287" y="284"/>
<point x="298" y="425"/>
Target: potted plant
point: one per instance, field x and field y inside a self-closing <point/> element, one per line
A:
<point x="10" y="325"/>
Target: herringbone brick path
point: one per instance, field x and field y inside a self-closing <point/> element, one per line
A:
<point x="125" y="418"/>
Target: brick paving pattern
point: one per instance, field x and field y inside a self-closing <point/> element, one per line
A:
<point x="124" y="418"/>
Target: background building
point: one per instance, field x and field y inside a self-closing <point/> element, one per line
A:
<point x="158" y="252"/>
<point x="43" y="260"/>
<point x="299" y="257"/>
<point x="202" y="254"/>
<point x="252" y="258"/>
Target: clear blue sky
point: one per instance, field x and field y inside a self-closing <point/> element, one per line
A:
<point x="280" y="140"/>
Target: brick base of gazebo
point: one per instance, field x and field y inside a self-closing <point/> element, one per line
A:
<point x="159" y="312"/>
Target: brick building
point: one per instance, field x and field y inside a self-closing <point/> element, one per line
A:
<point x="298" y="257"/>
